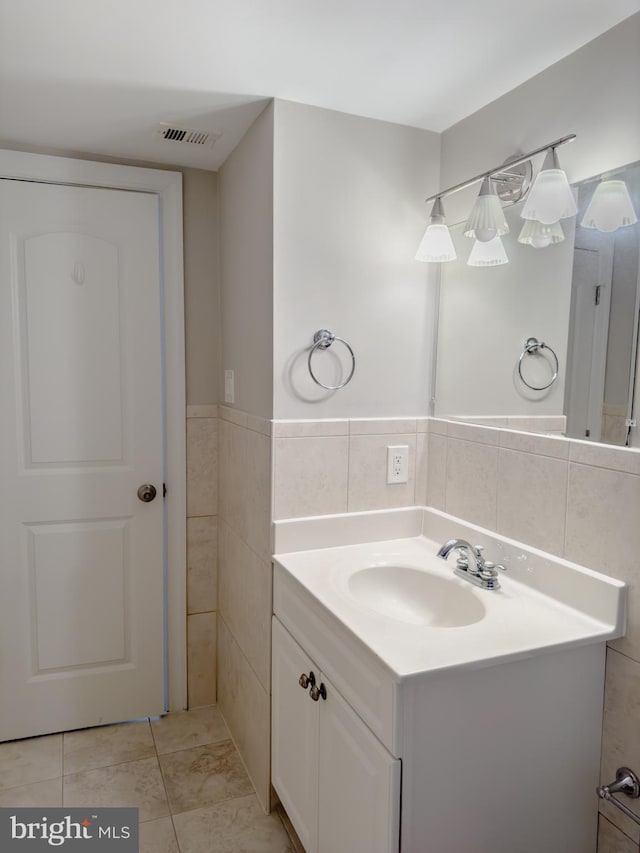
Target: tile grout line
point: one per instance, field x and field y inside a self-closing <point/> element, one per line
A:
<point x="615" y="826"/>
<point x="164" y="785"/>
<point x="624" y="654"/>
<point x="62" y="776"/>
<point x="567" y="504"/>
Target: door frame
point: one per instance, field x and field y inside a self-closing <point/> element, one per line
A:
<point x="590" y="241"/>
<point x="167" y="185"/>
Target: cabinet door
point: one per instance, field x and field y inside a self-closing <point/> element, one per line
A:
<point x="294" y="737"/>
<point x="359" y="784"/>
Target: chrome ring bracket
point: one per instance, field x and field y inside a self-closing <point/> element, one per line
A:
<point x="323" y="339"/>
<point x="626" y="782"/>
<point x="532" y="346"/>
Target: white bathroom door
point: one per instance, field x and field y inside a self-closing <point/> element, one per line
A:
<point x="81" y="429"/>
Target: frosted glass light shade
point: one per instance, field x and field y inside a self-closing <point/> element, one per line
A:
<point x="486" y="219"/>
<point x="539" y="236"/>
<point x="436" y="247"/>
<point x="489" y="253"/>
<point x="610" y="208"/>
<point x="550" y="198"/>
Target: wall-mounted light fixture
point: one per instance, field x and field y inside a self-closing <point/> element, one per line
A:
<point x="539" y="236"/>
<point x="486" y="219"/>
<point x="436" y="245"/>
<point x="487" y="253"/>
<point x="485" y="223"/>
<point x="550" y="198"/>
<point x="610" y="207"/>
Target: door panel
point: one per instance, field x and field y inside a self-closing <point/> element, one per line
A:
<point x="88" y="559"/>
<point x="294" y="742"/>
<point x="74" y="279"/>
<point x="359" y="783"/>
<point x="81" y="426"/>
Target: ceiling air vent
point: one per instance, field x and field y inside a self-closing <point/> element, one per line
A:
<point x="186" y="135"/>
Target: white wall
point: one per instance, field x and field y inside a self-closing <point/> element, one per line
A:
<point x="201" y="285"/>
<point x="348" y="217"/>
<point x="592" y="93"/>
<point x="246" y="240"/>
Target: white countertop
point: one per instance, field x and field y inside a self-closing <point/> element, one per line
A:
<point x="544" y="603"/>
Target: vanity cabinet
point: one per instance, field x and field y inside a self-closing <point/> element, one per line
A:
<point x="337" y="782"/>
<point x="501" y="755"/>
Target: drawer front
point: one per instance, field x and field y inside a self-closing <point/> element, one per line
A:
<point x="359" y="676"/>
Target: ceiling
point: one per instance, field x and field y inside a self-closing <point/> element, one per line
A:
<point x="97" y="78"/>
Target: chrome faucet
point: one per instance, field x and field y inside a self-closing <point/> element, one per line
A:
<point x="471" y="565"/>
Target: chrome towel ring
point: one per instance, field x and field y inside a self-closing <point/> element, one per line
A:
<point x="323" y="339"/>
<point x="531" y="347"/>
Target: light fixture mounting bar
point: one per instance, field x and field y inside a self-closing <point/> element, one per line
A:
<point x="502" y="167"/>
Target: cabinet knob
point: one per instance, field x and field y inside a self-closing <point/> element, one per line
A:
<point x="307" y="680"/>
<point x="317" y="692"/>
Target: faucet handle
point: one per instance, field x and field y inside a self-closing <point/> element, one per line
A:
<point x="492" y="568"/>
<point x="462" y="560"/>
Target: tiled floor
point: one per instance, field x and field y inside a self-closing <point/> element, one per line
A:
<point x="181" y="771"/>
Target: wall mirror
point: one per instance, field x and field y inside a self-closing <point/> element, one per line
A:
<point x="580" y="297"/>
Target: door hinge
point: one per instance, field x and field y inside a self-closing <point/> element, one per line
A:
<point x="164" y="490"/>
<point x="630" y="423"/>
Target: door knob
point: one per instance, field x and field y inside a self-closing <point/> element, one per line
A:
<point x="146" y="493"/>
<point x="317" y="692"/>
<point x="305" y="680"/>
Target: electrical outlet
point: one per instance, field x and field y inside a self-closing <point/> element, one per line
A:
<point x="398" y="463"/>
<point x="229" y="389"/>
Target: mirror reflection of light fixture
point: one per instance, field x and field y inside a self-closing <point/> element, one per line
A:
<point x="436" y="245"/>
<point x="539" y="236"/>
<point x="488" y="253"/>
<point x="550" y="198"/>
<point x="486" y="219"/>
<point x="610" y="207"/>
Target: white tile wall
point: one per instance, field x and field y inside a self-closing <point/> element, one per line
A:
<point x="310" y="475"/>
<point x="325" y="467"/>
<point x="202" y="564"/>
<point x="367" y="482"/>
<point x="202" y="460"/>
<point x="244" y="588"/>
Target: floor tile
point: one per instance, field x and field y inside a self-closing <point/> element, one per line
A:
<point x="234" y="826"/>
<point x="158" y="836"/>
<point x="203" y="776"/>
<point x="137" y="784"/>
<point x="187" y="729"/>
<point x="46" y="794"/>
<point x="31" y="760"/>
<point x="106" y="745"/>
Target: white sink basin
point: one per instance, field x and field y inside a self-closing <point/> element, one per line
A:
<point x="415" y="596"/>
<point x="397" y="597"/>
